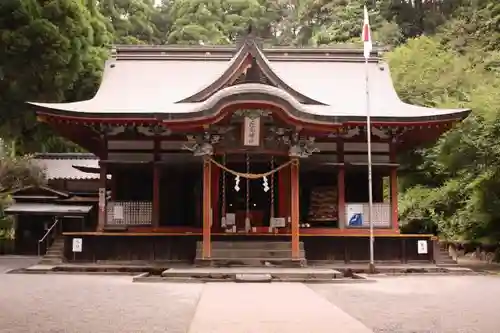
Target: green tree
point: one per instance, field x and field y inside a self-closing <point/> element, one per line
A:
<point x="454" y="183"/>
<point x="133" y="21"/>
<point x="326" y="22"/>
<point x="197" y="22"/>
<point x="420" y="17"/>
<point x="15" y="172"/>
<point x="44" y="49"/>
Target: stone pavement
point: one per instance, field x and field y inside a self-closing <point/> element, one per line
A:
<point x="269" y="308"/>
<point x="50" y="303"/>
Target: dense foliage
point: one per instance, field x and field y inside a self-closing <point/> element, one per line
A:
<point x="444" y="53"/>
<point x="16" y="172"/>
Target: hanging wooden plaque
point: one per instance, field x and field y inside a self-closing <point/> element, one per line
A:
<point x="251" y="131"/>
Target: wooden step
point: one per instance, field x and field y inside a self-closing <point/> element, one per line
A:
<point x="263" y="245"/>
<point x="249" y="253"/>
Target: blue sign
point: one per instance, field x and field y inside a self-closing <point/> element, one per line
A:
<point x="356" y="220"/>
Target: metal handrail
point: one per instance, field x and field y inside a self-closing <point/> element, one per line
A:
<point x="47" y="234"/>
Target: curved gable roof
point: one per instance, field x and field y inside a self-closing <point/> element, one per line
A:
<point x="248" y="58"/>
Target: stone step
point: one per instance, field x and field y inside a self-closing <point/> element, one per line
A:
<point x="52" y="260"/>
<point x="55" y="249"/>
<point x="444" y="258"/>
<point x="52" y="256"/>
<point x="250" y="253"/>
<point x="250" y="262"/>
<point x="252" y="274"/>
<point x="55" y="253"/>
<point x="262" y="245"/>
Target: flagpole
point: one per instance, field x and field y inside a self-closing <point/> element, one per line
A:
<point x="367" y="48"/>
<point x="370" y="176"/>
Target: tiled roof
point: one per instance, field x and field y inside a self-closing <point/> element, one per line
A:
<point x="60" y="166"/>
<point x="44" y="208"/>
<point x="335" y="78"/>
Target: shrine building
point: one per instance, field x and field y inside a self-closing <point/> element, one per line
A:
<point x="207" y="152"/>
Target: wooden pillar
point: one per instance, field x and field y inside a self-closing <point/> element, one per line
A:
<point x="284" y="193"/>
<point x="341" y="185"/>
<point x="216" y="172"/>
<point x="102" y="217"/>
<point x="156" y="183"/>
<point x="295" y="207"/>
<point x="206" y="254"/>
<point x="341" y="197"/>
<point x="156" y="196"/>
<point x="103" y="179"/>
<point x="394" y="187"/>
<point x="113" y="186"/>
<point x="394" y="198"/>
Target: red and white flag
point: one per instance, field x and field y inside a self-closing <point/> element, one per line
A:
<point x="367" y="36"/>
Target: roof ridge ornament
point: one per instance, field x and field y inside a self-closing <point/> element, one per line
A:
<point x="250" y="29"/>
<point x="249" y="38"/>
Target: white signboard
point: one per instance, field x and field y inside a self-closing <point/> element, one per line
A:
<point x="277" y="222"/>
<point x="230" y="219"/>
<point x="77" y="245"/>
<point x="354" y="215"/>
<point x="422" y="247"/>
<point x="251" y="132"/>
<point x="118" y="212"/>
<point x="102" y="198"/>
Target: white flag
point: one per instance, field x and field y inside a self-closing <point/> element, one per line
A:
<point x="366" y="36"/>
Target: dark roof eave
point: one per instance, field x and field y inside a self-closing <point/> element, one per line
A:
<point x="83" y="115"/>
<point x="86" y="169"/>
<point x="459" y="115"/>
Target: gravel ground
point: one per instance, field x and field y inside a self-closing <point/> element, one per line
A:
<point x="104" y="304"/>
<point x="418" y="304"/>
<point x="93" y="304"/>
<point x="13" y="262"/>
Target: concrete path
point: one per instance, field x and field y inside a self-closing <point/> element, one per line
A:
<point x="269" y="308"/>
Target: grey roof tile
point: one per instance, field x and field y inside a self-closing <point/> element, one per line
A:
<point x="60" y="166"/>
<point x="46" y="208"/>
<point x="154" y="85"/>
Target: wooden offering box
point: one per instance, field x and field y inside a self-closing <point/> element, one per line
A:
<point x="323" y="204"/>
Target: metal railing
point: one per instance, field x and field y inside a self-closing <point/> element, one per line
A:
<point x="49" y="231"/>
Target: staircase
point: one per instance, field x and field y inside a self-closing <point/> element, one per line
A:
<point x="250" y="254"/>
<point x="443" y="258"/>
<point x="55" y="253"/>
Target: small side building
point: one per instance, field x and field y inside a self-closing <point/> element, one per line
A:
<point x="65" y="204"/>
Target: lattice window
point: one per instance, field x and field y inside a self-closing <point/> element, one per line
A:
<point x="129" y="213"/>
